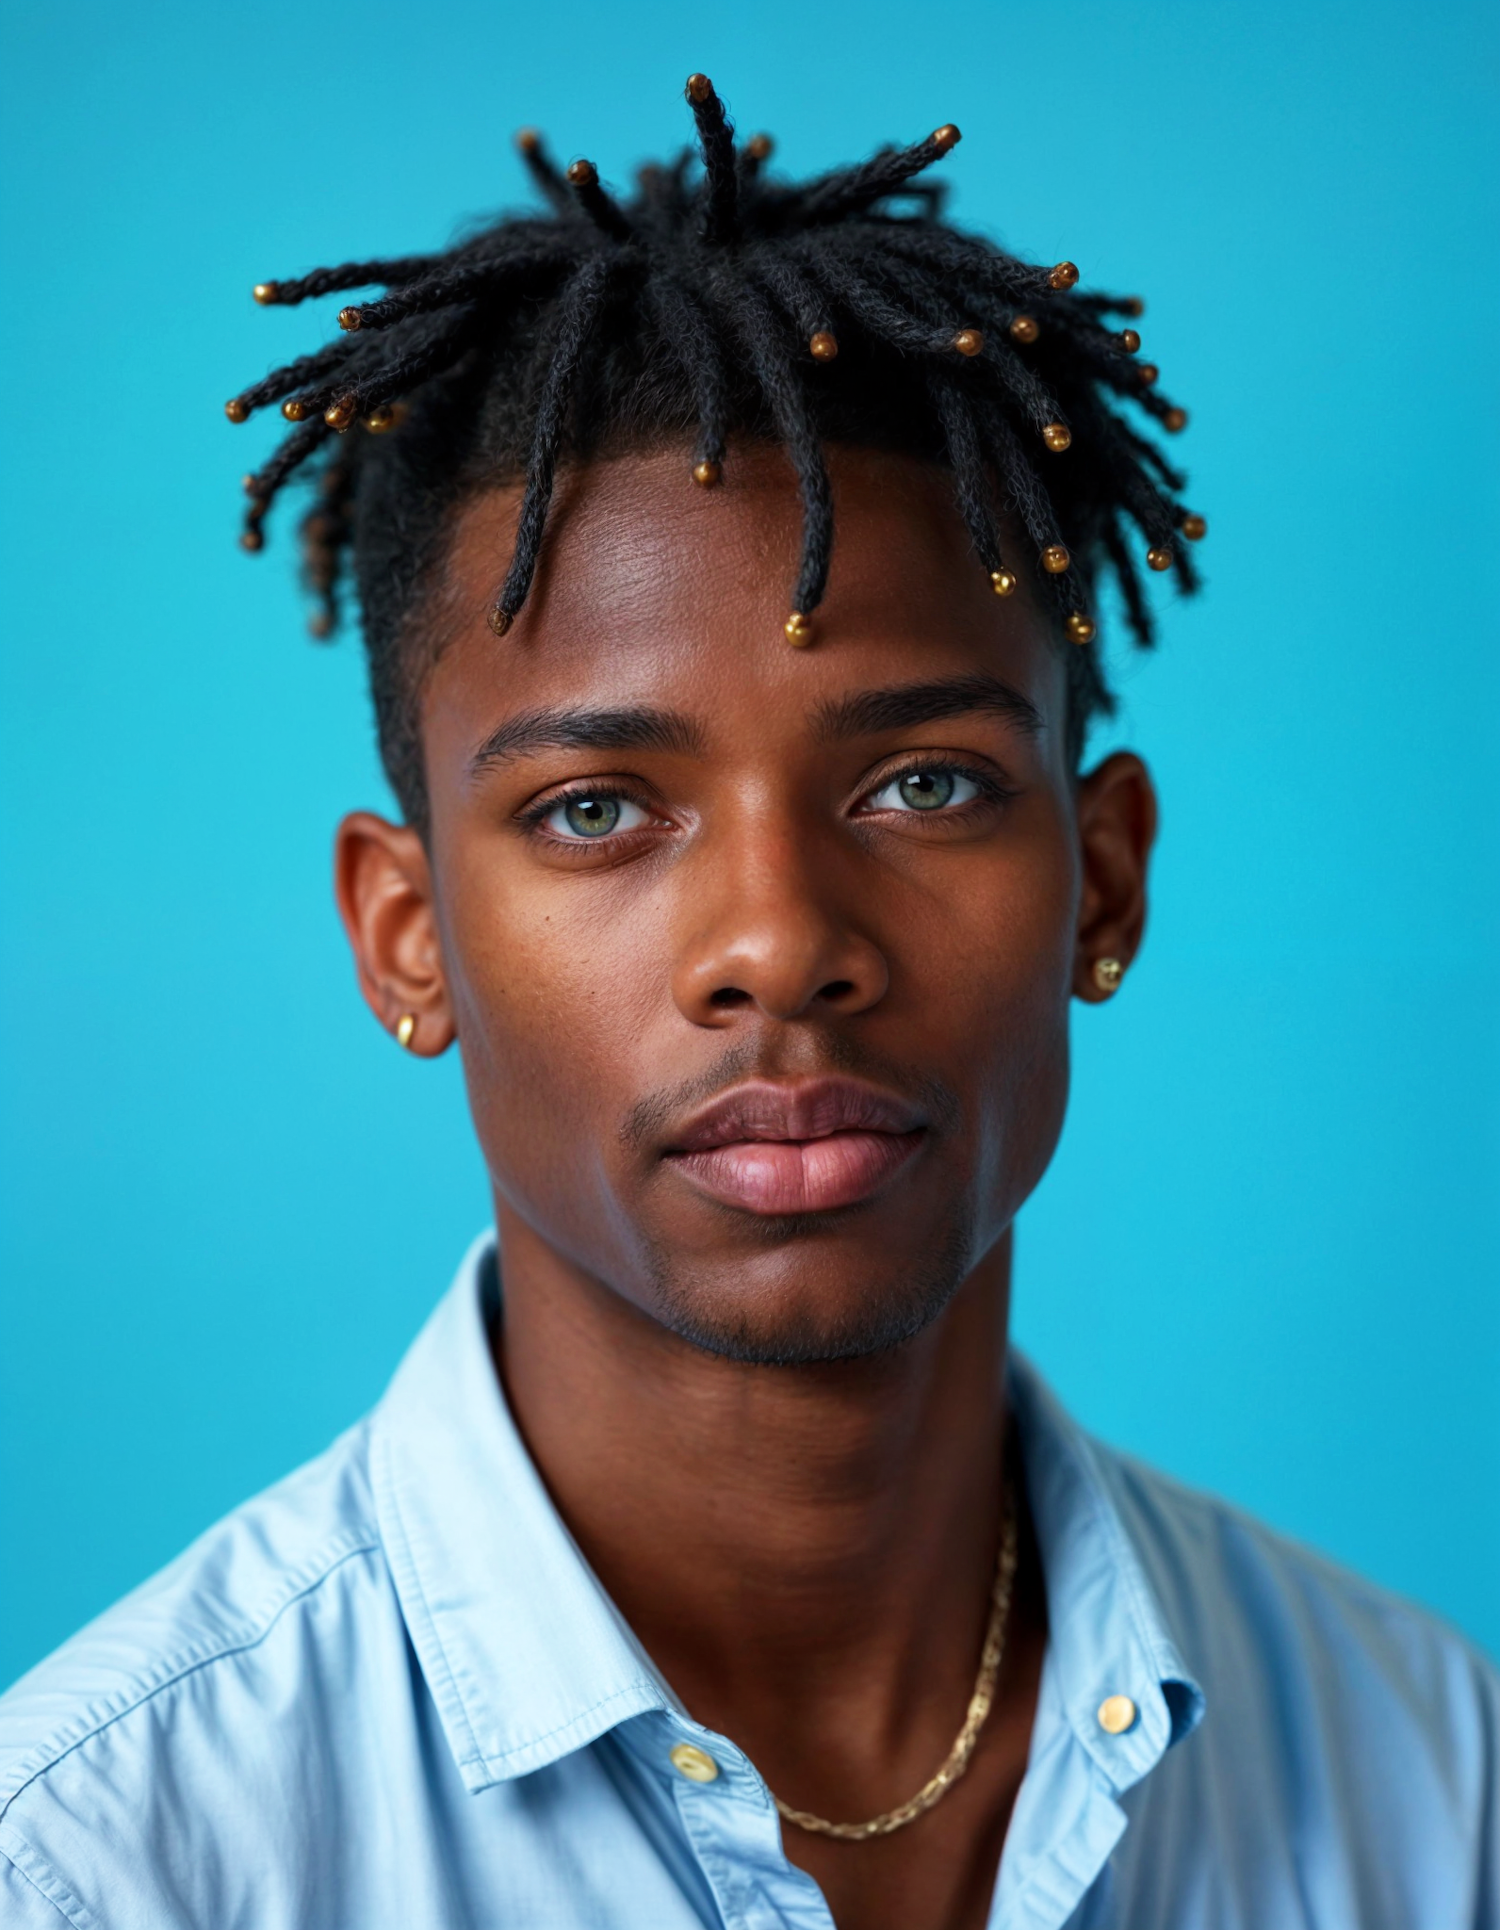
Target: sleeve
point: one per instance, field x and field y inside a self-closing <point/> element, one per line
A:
<point x="32" y="1896"/>
<point x="1487" y="1906"/>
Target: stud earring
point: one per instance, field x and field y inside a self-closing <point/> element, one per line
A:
<point x="406" y="1026"/>
<point x="1107" y="974"/>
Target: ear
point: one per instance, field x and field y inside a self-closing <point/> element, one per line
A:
<point x="1116" y="828"/>
<point x="383" y="884"/>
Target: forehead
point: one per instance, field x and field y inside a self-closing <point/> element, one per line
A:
<point x="654" y="590"/>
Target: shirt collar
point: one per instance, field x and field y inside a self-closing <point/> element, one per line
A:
<point x="528" y="1659"/>
<point x="526" y="1656"/>
<point x="1107" y="1635"/>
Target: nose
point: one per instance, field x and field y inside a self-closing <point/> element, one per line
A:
<point x="767" y="929"/>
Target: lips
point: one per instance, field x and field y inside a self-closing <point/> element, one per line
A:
<point x="807" y="1147"/>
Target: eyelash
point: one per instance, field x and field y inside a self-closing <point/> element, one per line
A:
<point x="538" y="813"/>
<point x="989" y="787"/>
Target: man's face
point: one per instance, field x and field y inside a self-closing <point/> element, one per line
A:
<point x="759" y="957"/>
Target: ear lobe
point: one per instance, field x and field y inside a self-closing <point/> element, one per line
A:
<point x="383" y="885"/>
<point x="1116" y="806"/>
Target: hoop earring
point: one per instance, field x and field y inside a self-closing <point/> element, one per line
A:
<point x="406" y="1026"/>
<point x="1107" y="974"/>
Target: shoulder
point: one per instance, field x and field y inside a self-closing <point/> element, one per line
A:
<point x="1240" y="1593"/>
<point x="101" y="1740"/>
<point x="1330" y="1703"/>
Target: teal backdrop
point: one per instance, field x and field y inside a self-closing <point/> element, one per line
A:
<point x="1268" y="1254"/>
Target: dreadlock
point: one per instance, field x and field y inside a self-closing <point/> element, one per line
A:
<point x="712" y="303"/>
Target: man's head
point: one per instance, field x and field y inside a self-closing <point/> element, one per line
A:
<point x="759" y="953"/>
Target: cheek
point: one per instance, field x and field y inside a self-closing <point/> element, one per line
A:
<point x="553" y="986"/>
<point x="1005" y="1004"/>
<point x="988" y="933"/>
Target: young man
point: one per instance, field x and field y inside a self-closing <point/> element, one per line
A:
<point x="709" y="1561"/>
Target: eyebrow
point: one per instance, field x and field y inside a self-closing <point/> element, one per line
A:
<point x="562" y="729"/>
<point x="865" y="713"/>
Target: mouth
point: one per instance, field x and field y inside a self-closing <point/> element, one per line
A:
<point x="806" y="1147"/>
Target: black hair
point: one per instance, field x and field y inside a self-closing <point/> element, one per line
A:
<point x="717" y="301"/>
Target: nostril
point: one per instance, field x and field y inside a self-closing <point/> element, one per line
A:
<point x="837" y="989"/>
<point x="727" y="997"/>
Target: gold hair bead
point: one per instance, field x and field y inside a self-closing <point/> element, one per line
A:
<point x="1107" y="974"/>
<point x="265" y="292"/>
<point x="760" y="147"/>
<point x="824" y="345"/>
<point x="1158" y="557"/>
<point x="406" y="1027"/>
<point x="1057" y="436"/>
<point x="236" y="410"/>
<point x="708" y="472"/>
<point x="1130" y="341"/>
<point x="1064" y="275"/>
<point x="1025" y="329"/>
<point x="1080" y="629"/>
<point x="253" y="539"/>
<point x="499" y="620"/>
<point x="583" y="174"/>
<point x="349" y="318"/>
<point x="379" y="420"/>
<point x="1003" y="582"/>
<point x="968" y="341"/>
<point x="339" y="414"/>
<point x="798" y="629"/>
<point x="698" y="89"/>
<point x="1055" y="559"/>
<point x="1174" y="421"/>
<point x="1133" y="306"/>
<point x="528" y="140"/>
<point x="1194" y="527"/>
<point x="945" y="137"/>
<point x="1147" y="373"/>
<point x="295" y="410"/>
<point x="320" y="625"/>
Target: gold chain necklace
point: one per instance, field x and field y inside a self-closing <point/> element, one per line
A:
<point x="937" y="1787"/>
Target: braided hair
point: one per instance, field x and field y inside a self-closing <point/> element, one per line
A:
<point x="718" y="301"/>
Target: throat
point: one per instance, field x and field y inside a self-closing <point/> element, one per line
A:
<point x="799" y="1549"/>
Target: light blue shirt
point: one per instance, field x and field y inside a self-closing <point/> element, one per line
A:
<point x="390" y="1695"/>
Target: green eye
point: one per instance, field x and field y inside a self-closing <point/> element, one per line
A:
<point x="584" y="818"/>
<point x="927" y="790"/>
<point x="591" y="817"/>
<point x="919" y="790"/>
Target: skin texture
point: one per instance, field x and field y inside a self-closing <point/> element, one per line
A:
<point x="775" y="1425"/>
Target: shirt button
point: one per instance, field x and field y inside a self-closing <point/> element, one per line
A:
<point x="1116" y="1714"/>
<point x="694" y="1763"/>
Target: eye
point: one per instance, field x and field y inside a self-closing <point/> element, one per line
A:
<point x="583" y="817"/>
<point x="920" y="790"/>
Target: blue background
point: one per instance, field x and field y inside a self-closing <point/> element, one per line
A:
<point x="1266" y="1257"/>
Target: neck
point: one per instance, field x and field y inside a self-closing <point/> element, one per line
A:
<point x="782" y="1540"/>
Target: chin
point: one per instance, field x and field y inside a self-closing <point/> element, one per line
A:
<point x="814" y="1297"/>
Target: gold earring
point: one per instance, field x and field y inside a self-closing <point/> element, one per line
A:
<point x="406" y="1025"/>
<point x="1107" y="974"/>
